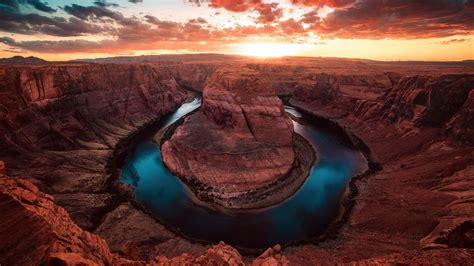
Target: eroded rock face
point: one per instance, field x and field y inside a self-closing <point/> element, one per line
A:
<point x="193" y="75"/>
<point x="419" y="206"/>
<point x="417" y="210"/>
<point x="35" y="231"/>
<point x="442" y="102"/>
<point x="43" y="230"/>
<point x="338" y="95"/>
<point x="240" y="140"/>
<point x="2" y="167"/>
<point x="413" y="102"/>
<point x="461" y="125"/>
<point x="428" y="101"/>
<point x="59" y="124"/>
<point x="140" y="228"/>
<point x="82" y="106"/>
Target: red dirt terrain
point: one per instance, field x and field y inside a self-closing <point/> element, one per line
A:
<point x="61" y="123"/>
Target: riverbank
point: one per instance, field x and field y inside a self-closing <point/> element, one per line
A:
<point x="264" y="197"/>
<point x="348" y="200"/>
<point x="163" y="135"/>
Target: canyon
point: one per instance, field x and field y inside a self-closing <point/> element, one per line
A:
<point x="239" y="143"/>
<point x="62" y="124"/>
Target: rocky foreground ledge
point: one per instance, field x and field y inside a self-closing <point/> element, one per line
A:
<point x="46" y="235"/>
<point x="239" y="149"/>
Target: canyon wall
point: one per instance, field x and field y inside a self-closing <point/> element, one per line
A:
<point x="433" y="102"/>
<point x="80" y="106"/>
<point x="419" y="206"/>
<point x="194" y="76"/>
<point x="413" y="102"/>
<point x="46" y="235"/>
<point x="59" y="125"/>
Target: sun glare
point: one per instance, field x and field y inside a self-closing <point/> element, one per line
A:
<point x="268" y="49"/>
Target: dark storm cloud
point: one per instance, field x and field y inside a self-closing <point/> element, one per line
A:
<point x="41" y="6"/>
<point x="16" y="22"/>
<point x="8" y="41"/>
<point x="148" y="34"/>
<point x="135" y="1"/>
<point x="104" y="3"/>
<point x="371" y="19"/>
<point x="9" y="4"/>
<point x="375" y="19"/>
<point x="86" y="12"/>
<point x="37" y="4"/>
<point x="51" y="46"/>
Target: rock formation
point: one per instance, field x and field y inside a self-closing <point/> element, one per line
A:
<point x="418" y="130"/>
<point x="44" y="234"/>
<point x="239" y="141"/>
<point x="434" y="102"/>
<point x="2" y="168"/>
<point x="59" y="125"/>
<point x="193" y="76"/>
<point x="80" y="106"/>
<point x="35" y="231"/>
<point x="413" y="102"/>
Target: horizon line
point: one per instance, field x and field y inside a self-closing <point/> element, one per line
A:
<point x="237" y="55"/>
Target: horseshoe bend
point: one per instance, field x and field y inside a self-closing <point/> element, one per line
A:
<point x="243" y="132"/>
<point x="114" y="163"/>
<point x="239" y="145"/>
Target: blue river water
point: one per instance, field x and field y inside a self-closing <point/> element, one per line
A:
<point x="306" y="214"/>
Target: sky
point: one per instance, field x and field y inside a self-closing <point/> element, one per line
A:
<point x="431" y="30"/>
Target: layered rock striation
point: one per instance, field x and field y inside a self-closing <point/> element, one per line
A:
<point x="35" y="231"/>
<point x="240" y="140"/>
<point x="81" y="106"/>
<point x="412" y="103"/>
<point x="60" y="124"/>
<point x="418" y="208"/>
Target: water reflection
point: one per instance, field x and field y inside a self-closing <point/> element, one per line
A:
<point x="306" y="214"/>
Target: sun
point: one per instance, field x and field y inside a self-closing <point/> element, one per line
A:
<point x="268" y="49"/>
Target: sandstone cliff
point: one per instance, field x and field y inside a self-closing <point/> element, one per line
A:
<point x="58" y="128"/>
<point x="240" y="140"/>
<point x="420" y="205"/>
<point x="193" y="76"/>
<point x="35" y="231"/>
<point x="432" y="102"/>
<point x="80" y="106"/>
<point x="60" y="124"/>
<point x="412" y="102"/>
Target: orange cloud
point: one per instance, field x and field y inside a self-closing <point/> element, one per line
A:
<point x="320" y="3"/>
<point x="402" y="19"/>
<point x="453" y="41"/>
<point x="364" y="19"/>
<point x="267" y="12"/>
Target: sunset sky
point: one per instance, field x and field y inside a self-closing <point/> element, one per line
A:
<point x="372" y="29"/>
